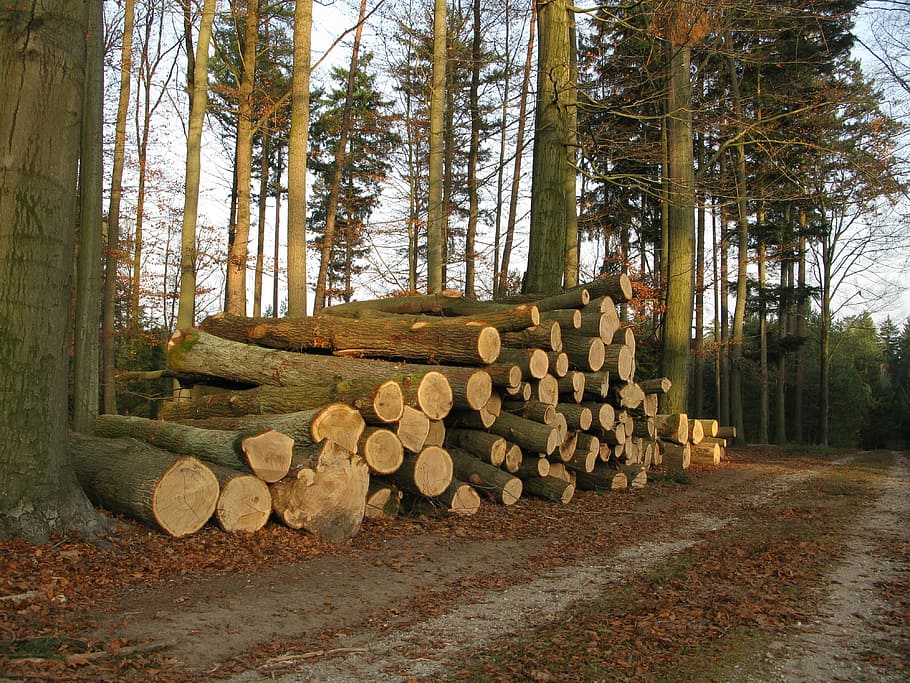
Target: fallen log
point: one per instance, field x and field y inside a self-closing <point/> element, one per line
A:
<point x="617" y="287"/>
<point x="696" y="431"/>
<point x="549" y="488"/>
<point x="264" y="451"/>
<point x="568" y="318"/>
<point x="427" y="473"/>
<point x="532" y="467"/>
<point x="381" y="450"/>
<point x="603" y="478"/>
<point x="637" y="475"/>
<point x="460" y="498"/>
<point x="430" y="340"/>
<point x="471" y="388"/>
<point x="559" y="363"/>
<point x="380" y="402"/>
<point x="328" y="499"/>
<point x="488" y="447"/>
<point x="572" y="385"/>
<point x="619" y="361"/>
<point x="413" y="429"/>
<point x="547" y="336"/>
<point x="534" y="363"/>
<point x="448" y="303"/>
<point x="337" y="422"/>
<point x="534" y="436"/>
<point x="672" y="427"/>
<point x="199" y="353"/>
<point x="585" y="353"/>
<point x="383" y="500"/>
<point x="176" y="494"/>
<point x="673" y="455"/>
<point x="706" y="453"/>
<point x="492" y="481"/>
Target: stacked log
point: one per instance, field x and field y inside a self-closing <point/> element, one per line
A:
<point x="431" y="402"/>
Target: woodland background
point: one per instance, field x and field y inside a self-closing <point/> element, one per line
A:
<point x="800" y="228"/>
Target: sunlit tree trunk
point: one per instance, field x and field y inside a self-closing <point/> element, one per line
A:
<point x="88" y="272"/>
<point x="547" y="236"/>
<point x="260" y="223"/>
<point x="109" y="296"/>
<point x="236" y="302"/>
<point x="331" y="212"/>
<point x="297" y="151"/>
<point x="435" y="209"/>
<point x="571" y="251"/>
<point x="42" y="51"/>
<point x="186" y="310"/>
<point x="680" y="231"/>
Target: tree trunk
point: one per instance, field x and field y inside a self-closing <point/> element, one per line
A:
<point x="555" y="90"/>
<point x="108" y="339"/>
<point x="436" y="210"/>
<point x="492" y="481"/>
<point x="297" y="152"/>
<point x="176" y="494"/>
<point x="677" y="330"/>
<point x="675" y="456"/>
<point x="42" y="51"/>
<point x="549" y="488"/>
<point x="378" y="401"/>
<point x="603" y="478"/>
<point x="427" y="473"/>
<point x="502" y="277"/>
<point x="199" y="353"/>
<point x="265" y="453"/>
<point x="88" y="272"/>
<point x="488" y="447"/>
<point x="186" y="311"/>
<point x="341" y="151"/>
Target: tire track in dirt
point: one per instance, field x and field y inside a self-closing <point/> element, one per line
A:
<point x="850" y="622"/>
<point x="427" y="649"/>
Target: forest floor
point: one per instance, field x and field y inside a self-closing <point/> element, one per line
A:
<point x="775" y="566"/>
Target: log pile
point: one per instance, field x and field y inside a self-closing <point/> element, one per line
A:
<point x="412" y="402"/>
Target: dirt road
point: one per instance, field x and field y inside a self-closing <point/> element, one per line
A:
<point x="773" y="566"/>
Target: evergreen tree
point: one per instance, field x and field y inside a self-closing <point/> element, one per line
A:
<point x="371" y="140"/>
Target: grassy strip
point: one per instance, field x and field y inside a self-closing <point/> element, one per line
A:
<point x="703" y="611"/>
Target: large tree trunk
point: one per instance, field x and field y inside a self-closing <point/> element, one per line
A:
<point x="42" y="52"/>
<point x="244" y="503"/>
<point x="681" y="231"/>
<point x="426" y="341"/>
<point x="436" y="210"/>
<point x="186" y="311"/>
<point x="327" y="497"/>
<point x="297" y="151"/>
<point x="381" y="401"/>
<point x="176" y="494"/>
<point x="547" y="238"/>
<point x="88" y="275"/>
<point x="236" y="300"/>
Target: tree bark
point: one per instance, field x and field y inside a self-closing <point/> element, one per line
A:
<point x="173" y="493"/>
<point x="549" y="488"/>
<point x="329" y="499"/>
<point x="198" y="353"/>
<point x="490" y="480"/>
<point x="603" y="478"/>
<point x="427" y="341"/>
<point x="265" y="453"/>
<point x="297" y="153"/>
<point x="244" y="503"/>
<point x="42" y="58"/>
<point x="427" y="473"/>
<point x="378" y="401"/>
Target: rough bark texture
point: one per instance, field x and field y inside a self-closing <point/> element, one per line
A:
<point x="174" y="493"/>
<point x="425" y="341"/>
<point x="41" y="69"/>
<point x="492" y="481"/>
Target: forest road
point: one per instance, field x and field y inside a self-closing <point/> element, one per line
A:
<point x="417" y="606"/>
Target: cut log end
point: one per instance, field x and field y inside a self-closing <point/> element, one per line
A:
<point x="339" y="423"/>
<point x="433" y="471"/>
<point x="388" y="403"/>
<point x="244" y="505"/>
<point x="268" y="454"/>
<point x="382" y="451"/>
<point x="488" y="344"/>
<point x="434" y="395"/>
<point x="185" y="497"/>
